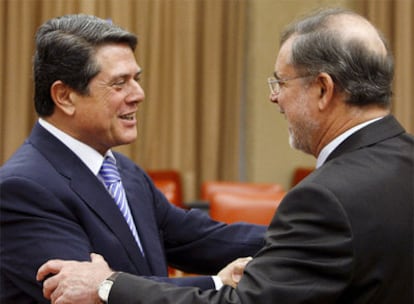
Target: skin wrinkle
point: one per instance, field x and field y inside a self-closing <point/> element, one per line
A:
<point x="113" y="101"/>
<point x="322" y="224"/>
<point x="323" y="128"/>
<point x="297" y="138"/>
<point x="299" y="106"/>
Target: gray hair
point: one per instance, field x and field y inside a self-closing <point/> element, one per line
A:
<point x="365" y="75"/>
<point x="65" y="49"/>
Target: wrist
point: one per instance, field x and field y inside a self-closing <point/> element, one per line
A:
<point x="105" y="287"/>
<point x="218" y="283"/>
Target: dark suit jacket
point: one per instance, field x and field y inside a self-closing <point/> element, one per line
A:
<point x="344" y="235"/>
<point x="52" y="206"/>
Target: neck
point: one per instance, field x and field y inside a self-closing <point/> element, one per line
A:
<point x="346" y="119"/>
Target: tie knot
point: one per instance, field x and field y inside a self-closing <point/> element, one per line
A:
<point x="109" y="171"/>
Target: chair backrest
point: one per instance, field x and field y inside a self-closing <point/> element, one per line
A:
<point x="209" y="188"/>
<point x="300" y="173"/>
<point x="169" y="183"/>
<point x="256" y="208"/>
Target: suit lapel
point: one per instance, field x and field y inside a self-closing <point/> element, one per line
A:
<point x="90" y="190"/>
<point x="377" y="131"/>
<point x="104" y="205"/>
<point x="140" y="202"/>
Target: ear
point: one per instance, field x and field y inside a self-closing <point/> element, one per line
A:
<point x="326" y="87"/>
<point x="61" y="95"/>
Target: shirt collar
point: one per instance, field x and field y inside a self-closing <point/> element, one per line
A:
<point x="89" y="156"/>
<point x="327" y="150"/>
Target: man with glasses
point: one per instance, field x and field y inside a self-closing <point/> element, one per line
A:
<point x="345" y="233"/>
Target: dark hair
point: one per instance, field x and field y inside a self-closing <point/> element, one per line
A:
<point x="65" y="48"/>
<point x="365" y="75"/>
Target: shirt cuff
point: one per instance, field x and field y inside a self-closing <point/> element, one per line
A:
<point x="217" y="282"/>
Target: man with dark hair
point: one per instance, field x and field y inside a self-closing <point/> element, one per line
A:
<point x="65" y="193"/>
<point x="342" y="235"/>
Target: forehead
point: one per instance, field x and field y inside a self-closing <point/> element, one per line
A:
<point x="116" y="58"/>
<point x="282" y="65"/>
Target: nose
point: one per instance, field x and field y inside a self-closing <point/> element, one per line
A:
<point x="136" y="92"/>
<point x="273" y="98"/>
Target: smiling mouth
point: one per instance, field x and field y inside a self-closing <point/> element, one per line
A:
<point x="130" y="116"/>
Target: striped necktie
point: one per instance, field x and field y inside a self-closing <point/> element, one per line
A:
<point x="112" y="180"/>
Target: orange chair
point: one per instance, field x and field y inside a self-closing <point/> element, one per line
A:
<point x="300" y="173"/>
<point x="256" y="208"/>
<point x="169" y="183"/>
<point x="209" y="188"/>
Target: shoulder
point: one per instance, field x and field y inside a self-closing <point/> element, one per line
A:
<point x="25" y="161"/>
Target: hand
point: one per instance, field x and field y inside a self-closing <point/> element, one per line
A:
<point x="232" y="273"/>
<point x="72" y="281"/>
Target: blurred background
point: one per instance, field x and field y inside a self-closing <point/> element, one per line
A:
<point x="207" y="114"/>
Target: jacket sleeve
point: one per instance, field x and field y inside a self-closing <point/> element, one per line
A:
<point x="35" y="227"/>
<point x="195" y="243"/>
<point x="308" y="257"/>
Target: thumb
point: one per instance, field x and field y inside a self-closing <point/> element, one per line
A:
<point x="239" y="269"/>
<point x="96" y="258"/>
<point x="236" y="277"/>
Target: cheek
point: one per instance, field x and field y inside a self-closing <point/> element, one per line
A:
<point x="113" y="102"/>
<point x="286" y="101"/>
<point x="107" y="108"/>
<point x="296" y="107"/>
<point x="96" y="116"/>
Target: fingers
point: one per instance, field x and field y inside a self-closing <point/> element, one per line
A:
<point x="49" y="288"/>
<point x="244" y="260"/>
<point x="52" y="267"/>
<point x="49" y="268"/>
<point x="238" y="270"/>
<point x="48" y="273"/>
<point x="232" y="273"/>
<point x="62" y="279"/>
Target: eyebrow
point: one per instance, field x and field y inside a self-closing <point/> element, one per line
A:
<point x="126" y="75"/>
<point x="137" y="74"/>
<point x="276" y="76"/>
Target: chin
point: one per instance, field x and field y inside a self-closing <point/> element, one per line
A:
<point x="292" y="141"/>
<point x="127" y="139"/>
<point x="294" y="144"/>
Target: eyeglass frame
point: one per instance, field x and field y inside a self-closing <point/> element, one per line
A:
<point x="274" y="84"/>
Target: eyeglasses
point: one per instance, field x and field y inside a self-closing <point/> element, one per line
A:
<point x="274" y="84"/>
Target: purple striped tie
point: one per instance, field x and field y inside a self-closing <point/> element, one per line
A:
<point x="112" y="179"/>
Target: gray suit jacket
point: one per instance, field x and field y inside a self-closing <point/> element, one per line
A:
<point x="343" y="235"/>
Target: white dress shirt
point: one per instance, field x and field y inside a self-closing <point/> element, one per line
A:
<point x="327" y="150"/>
<point x="89" y="156"/>
<point x="92" y="159"/>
